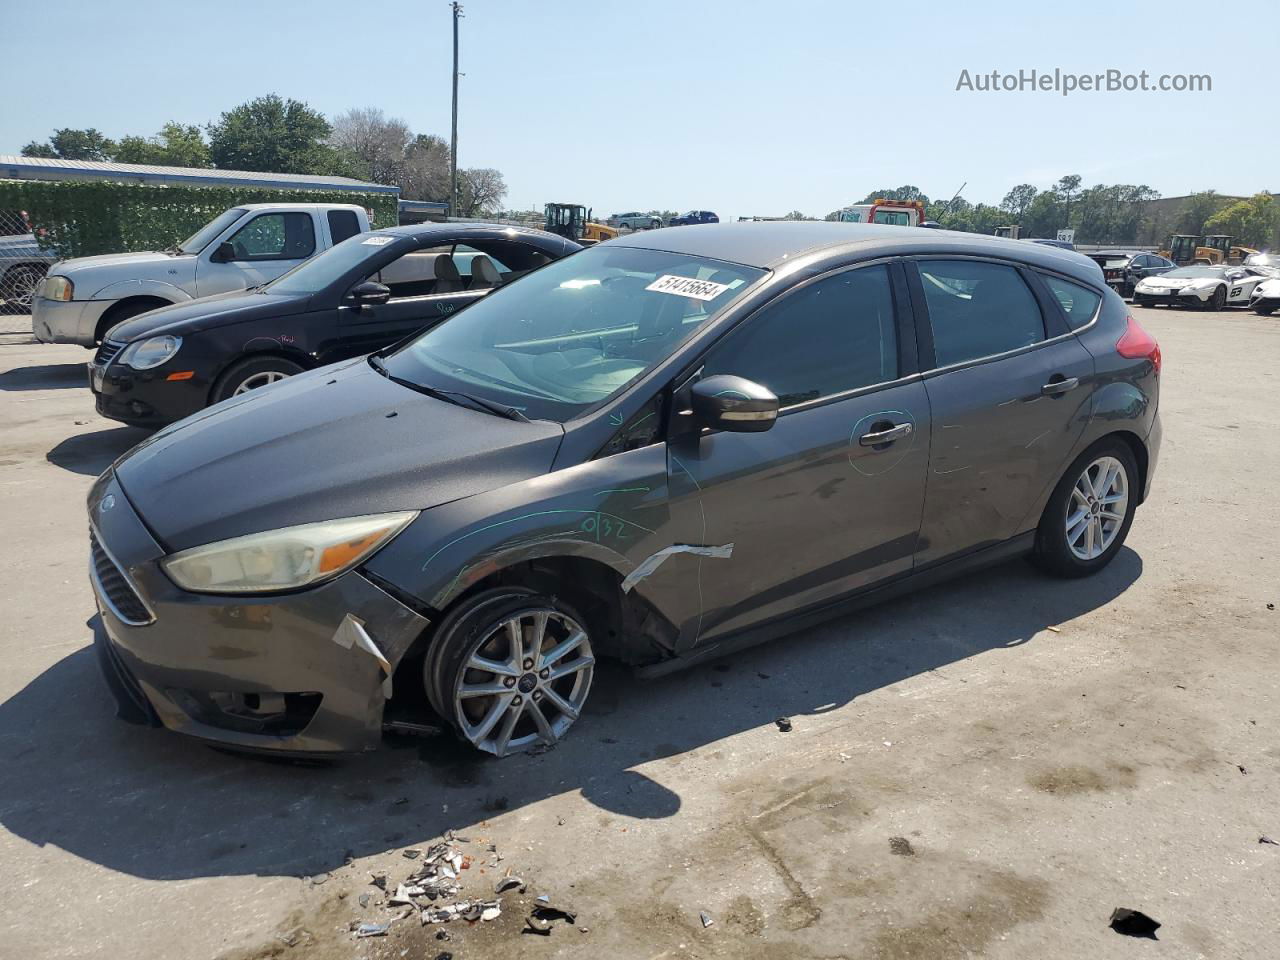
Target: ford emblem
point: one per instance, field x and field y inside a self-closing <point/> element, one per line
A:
<point x="107" y="503"/>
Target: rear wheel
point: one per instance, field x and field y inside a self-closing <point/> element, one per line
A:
<point x="18" y="289"/>
<point x="510" y="669"/>
<point x="253" y="374"/>
<point x="1089" y="514"/>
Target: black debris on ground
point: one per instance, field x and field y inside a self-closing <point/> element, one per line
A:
<point x="901" y="847"/>
<point x="1134" y="923"/>
<point x="784" y="724"/>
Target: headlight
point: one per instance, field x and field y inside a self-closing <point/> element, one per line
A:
<point x="283" y="559"/>
<point x="145" y="354"/>
<point x="58" y="288"/>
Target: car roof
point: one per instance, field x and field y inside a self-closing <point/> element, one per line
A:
<point x="429" y="233"/>
<point x="298" y="206"/>
<point x="773" y="244"/>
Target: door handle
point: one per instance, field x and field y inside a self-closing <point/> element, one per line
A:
<point x="1056" y="388"/>
<point x="885" y="436"/>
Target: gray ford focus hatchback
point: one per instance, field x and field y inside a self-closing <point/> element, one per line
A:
<point x="658" y="450"/>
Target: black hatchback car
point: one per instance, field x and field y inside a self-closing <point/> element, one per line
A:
<point x="659" y="450"/>
<point x="369" y="291"/>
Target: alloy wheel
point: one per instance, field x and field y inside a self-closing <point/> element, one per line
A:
<point x="255" y="381"/>
<point x="1097" y="507"/>
<point x="525" y="682"/>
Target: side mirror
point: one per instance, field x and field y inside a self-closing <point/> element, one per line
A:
<point x="370" y="292"/>
<point x="733" y="404"/>
<point x="224" y="254"/>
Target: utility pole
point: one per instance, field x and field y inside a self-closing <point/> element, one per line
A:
<point x="453" y="140"/>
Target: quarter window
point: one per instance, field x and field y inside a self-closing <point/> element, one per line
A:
<point x="978" y="309"/>
<point x="343" y="224"/>
<point x="276" y="236"/>
<point x="834" y="335"/>
<point x="1078" y="303"/>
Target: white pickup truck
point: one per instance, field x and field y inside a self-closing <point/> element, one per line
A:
<point x="81" y="299"/>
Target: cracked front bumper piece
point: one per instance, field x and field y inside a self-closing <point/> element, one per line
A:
<point x="304" y="673"/>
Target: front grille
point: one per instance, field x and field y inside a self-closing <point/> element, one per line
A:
<point x="107" y="352"/>
<point x="114" y="586"/>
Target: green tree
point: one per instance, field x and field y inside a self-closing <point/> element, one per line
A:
<point x="1197" y="211"/>
<point x="176" y="145"/>
<point x="1017" y="200"/>
<point x="1043" y="216"/>
<point x="71" y="144"/>
<point x="274" y="135"/>
<point x="1254" y="222"/>
<point x="908" y="192"/>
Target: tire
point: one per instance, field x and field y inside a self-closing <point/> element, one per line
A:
<point x="1065" y="550"/>
<point x="528" y="703"/>
<point x="1140" y="301"/>
<point x="252" y="373"/>
<point x="122" y="312"/>
<point x="1264" y="311"/>
<point x="18" y="289"/>
<point x="1217" y="301"/>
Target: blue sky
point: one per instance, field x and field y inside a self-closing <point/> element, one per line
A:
<point x="741" y="107"/>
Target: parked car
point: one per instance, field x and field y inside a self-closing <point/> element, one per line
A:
<point x="1268" y="263"/>
<point x="1044" y="241"/>
<point x="370" y="290"/>
<point x="1202" y="287"/>
<point x="1265" y="299"/>
<point x="692" y="217"/>
<point x="635" y="221"/>
<point x="662" y="449"/>
<point x="22" y="262"/>
<point x="1124" y="268"/>
<point x="246" y="246"/>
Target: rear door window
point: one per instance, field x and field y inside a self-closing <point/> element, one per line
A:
<point x="1078" y="303"/>
<point x="834" y="335"/>
<point x="343" y="224"/>
<point x="978" y="309"/>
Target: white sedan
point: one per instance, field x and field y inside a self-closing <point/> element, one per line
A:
<point x="1208" y="288"/>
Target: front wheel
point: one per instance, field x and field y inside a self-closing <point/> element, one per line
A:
<point x="253" y="374"/>
<point x="1262" y="311"/>
<point x="1217" y="301"/>
<point x="510" y="669"/>
<point x="1089" y="514"/>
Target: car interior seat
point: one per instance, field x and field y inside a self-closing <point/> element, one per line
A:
<point x="484" y="275"/>
<point x="448" y="280"/>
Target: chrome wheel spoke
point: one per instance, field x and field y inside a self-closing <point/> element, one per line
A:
<point x="540" y="721"/>
<point x="493" y="666"/>
<point x="503" y="739"/>
<point x="1097" y="508"/>
<point x="572" y="666"/>
<point x="572" y="642"/>
<point x="561" y="704"/>
<point x="481" y="730"/>
<point x="470" y="690"/>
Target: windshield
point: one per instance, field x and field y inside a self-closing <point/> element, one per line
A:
<point x="1262" y="260"/>
<point x="321" y="270"/>
<point x="204" y="236"/>
<point x="575" y="332"/>
<point x="1194" y="272"/>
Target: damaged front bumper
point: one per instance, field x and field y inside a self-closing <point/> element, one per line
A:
<point x="304" y="673"/>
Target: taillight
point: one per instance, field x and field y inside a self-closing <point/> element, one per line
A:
<point x="1137" y="344"/>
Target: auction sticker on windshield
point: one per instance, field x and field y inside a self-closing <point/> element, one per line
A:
<point x="687" y="287"/>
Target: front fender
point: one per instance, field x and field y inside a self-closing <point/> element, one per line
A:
<point x="123" y="289"/>
<point x="615" y="510"/>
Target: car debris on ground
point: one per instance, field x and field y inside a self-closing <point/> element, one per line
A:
<point x="784" y="724"/>
<point x="1134" y="923"/>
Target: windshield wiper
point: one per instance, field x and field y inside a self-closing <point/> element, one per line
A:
<point x="449" y="396"/>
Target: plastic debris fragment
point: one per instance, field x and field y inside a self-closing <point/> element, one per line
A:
<point x="784" y="724"/>
<point x="705" y="918"/>
<point x="372" y="929"/>
<point x="1134" y="923"/>
<point x="508" y="883"/>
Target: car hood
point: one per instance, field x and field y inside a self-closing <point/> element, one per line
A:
<point x="341" y="441"/>
<point x="191" y="316"/>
